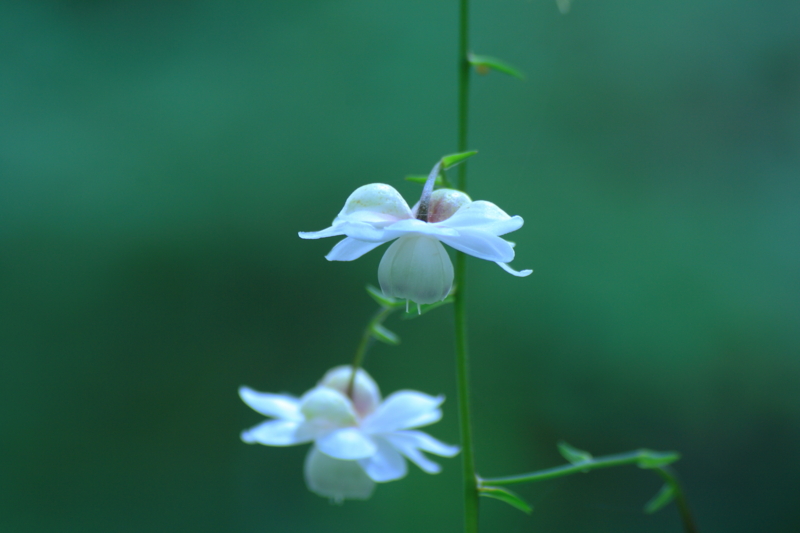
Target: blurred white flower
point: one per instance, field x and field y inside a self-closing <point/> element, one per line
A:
<point x="358" y="440"/>
<point x="416" y="267"/>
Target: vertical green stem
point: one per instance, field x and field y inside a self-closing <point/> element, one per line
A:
<point x="462" y="358"/>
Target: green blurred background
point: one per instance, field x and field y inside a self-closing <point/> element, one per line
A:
<point x="157" y="160"/>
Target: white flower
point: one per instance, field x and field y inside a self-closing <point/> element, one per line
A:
<point x="416" y="267"/>
<point x="358" y="440"/>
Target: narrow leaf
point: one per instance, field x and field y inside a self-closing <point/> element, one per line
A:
<point x="381" y="299"/>
<point x="419" y="178"/>
<point x="483" y="64"/>
<point x="664" y="496"/>
<point x="413" y="312"/>
<point x="505" y="495"/>
<point x="651" y="459"/>
<point x="573" y="455"/>
<point x="380" y="332"/>
<point x="449" y="161"/>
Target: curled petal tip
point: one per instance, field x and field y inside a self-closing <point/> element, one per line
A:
<point x="519" y="274"/>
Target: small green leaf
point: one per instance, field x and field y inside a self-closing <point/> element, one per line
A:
<point x="449" y="161"/>
<point x="483" y="64"/>
<point x="573" y="455"/>
<point x="381" y="299"/>
<point x="413" y="312"/>
<point x="380" y="332"/>
<point x="651" y="459"/>
<point x="505" y="495"/>
<point x="419" y="178"/>
<point x="664" y="496"/>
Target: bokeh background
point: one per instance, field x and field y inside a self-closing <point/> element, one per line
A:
<point x="158" y="158"/>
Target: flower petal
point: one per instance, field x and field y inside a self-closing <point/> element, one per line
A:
<point x="327" y="407"/>
<point x="280" y="406"/>
<point x="519" y="274"/>
<point x="481" y="244"/>
<point x="333" y="231"/>
<point x="365" y="394"/>
<point x="484" y="216"/>
<point x="377" y="204"/>
<point x="335" y="479"/>
<point x="415" y="456"/>
<point x="277" y="433"/>
<point x="352" y="228"/>
<point x="414" y="226"/>
<point x="364" y="232"/>
<point x="409" y="443"/>
<point x="349" y="249"/>
<point x="425" y="442"/>
<point x="386" y="465"/>
<point x="403" y="410"/>
<point x="416" y="268"/>
<point x="347" y="444"/>
<point x="444" y="204"/>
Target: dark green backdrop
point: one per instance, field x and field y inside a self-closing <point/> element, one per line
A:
<point x="158" y="158"/>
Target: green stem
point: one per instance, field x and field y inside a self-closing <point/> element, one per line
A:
<point x="464" y="69"/>
<point x="364" y="344"/>
<point x="462" y="359"/>
<point x="634" y="457"/>
<point x="465" y="422"/>
<point x="647" y="459"/>
<point x="680" y="498"/>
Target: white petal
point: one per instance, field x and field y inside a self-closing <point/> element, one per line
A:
<point x="386" y="465"/>
<point x="482" y="245"/>
<point x="414" y="226"/>
<point x="365" y="232"/>
<point x="275" y="405"/>
<point x="426" y="443"/>
<point x="484" y="216"/>
<point x="357" y="229"/>
<point x="325" y="406"/>
<point x="377" y="203"/>
<point x="404" y="410"/>
<point x="519" y="274"/>
<point x="332" y="231"/>
<point x="277" y="433"/>
<point x="416" y="268"/>
<point x="415" y="456"/>
<point x="444" y="204"/>
<point x="335" y="479"/>
<point x="349" y="249"/>
<point x="409" y="443"/>
<point x="347" y="444"/>
<point x="365" y="394"/>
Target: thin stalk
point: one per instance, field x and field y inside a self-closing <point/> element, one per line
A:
<point x="462" y="354"/>
<point x="364" y="344"/>
<point x="628" y="458"/>
<point x="680" y="498"/>
<point x="465" y="421"/>
<point x="637" y="457"/>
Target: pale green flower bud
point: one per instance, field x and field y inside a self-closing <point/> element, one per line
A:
<point x="416" y="268"/>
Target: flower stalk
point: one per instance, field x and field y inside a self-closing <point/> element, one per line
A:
<point x="459" y="308"/>
<point x="366" y="340"/>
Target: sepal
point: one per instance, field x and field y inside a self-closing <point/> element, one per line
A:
<point x="505" y="495"/>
